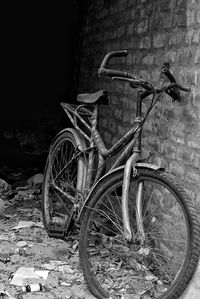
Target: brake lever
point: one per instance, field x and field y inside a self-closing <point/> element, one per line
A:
<point x="165" y="70"/>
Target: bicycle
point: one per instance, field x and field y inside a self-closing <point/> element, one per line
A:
<point x="139" y="234"/>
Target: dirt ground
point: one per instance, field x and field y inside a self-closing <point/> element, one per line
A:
<point x="29" y="247"/>
<point x="26" y="247"/>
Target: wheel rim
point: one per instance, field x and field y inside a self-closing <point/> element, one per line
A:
<point x="60" y="182"/>
<point x="128" y="269"/>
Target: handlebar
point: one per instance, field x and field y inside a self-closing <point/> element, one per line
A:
<point x="108" y="56"/>
<point x="135" y="81"/>
<point x="174" y="89"/>
<point x="103" y="71"/>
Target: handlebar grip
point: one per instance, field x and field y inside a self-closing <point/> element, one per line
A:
<point x="113" y="73"/>
<point x="122" y="53"/>
<point x="186" y="89"/>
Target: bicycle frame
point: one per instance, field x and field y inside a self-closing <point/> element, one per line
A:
<point x="130" y="142"/>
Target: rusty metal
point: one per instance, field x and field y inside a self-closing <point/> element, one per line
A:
<point x="139" y="218"/>
<point x="125" y="192"/>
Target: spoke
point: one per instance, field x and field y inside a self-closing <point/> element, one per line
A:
<point x="164" y="238"/>
<point x="169" y="230"/>
<point x="114" y="214"/>
<point x="100" y="224"/>
<point x="103" y="213"/>
<point x="161" y="266"/>
<point x="66" y="165"/>
<point x="63" y="192"/>
<point x="119" y="201"/>
<point x="170" y="259"/>
<point x="150" y="198"/>
<point x="152" y="211"/>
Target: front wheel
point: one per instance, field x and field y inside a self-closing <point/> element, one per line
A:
<point x="159" y="267"/>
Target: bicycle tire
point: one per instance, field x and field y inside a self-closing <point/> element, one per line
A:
<point x="89" y="252"/>
<point x="56" y="207"/>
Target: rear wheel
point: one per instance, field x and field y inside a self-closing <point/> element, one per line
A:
<point x="163" y="265"/>
<point x="64" y="179"/>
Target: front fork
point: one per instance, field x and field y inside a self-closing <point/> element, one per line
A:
<point x="130" y="169"/>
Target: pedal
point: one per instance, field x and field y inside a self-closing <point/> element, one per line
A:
<point x="56" y="230"/>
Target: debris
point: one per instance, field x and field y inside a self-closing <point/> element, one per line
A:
<point x="35" y="179"/>
<point x="2" y="207"/>
<point x="65" y="284"/>
<point x="58" y="266"/>
<point x="25" y="210"/>
<point x="34" y="287"/>
<point x="4" y="258"/>
<point x="75" y="246"/>
<point x="25" y="224"/>
<point x="68" y="294"/>
<point x="4" y="187"/>
<point x="130" y="296"/>
<point x="144" y="251"/>
<point x="4" y="294"/>
<point x="22" y="244"/>
<point x="21" y="188"/>
<point x="37" y="213"/>
<point x="23" y="273"/>
<point x="25" y="195"/>
<point x="7" y="236"/>
<point x="151" y="277"/>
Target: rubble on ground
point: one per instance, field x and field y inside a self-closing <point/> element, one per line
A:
<point x="27" y="255"/>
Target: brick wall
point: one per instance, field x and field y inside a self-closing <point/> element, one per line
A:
<point x="153" y="32"/>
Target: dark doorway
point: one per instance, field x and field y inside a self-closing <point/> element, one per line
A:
<point x="39" y="41"/>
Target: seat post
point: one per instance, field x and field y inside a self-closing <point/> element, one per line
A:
<point x="137" y="147"/>
<point x="94" y="122"/>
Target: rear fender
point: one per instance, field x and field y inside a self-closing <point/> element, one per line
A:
<point x="81" y="144"/>
<point x="79" y="139"/>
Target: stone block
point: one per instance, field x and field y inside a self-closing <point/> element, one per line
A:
<point x="190" y="76"/>
<point x="145" y="42"/>
<point x="160" y="40"/>
<point x="126" y="116"/>
<point x="177" y="169"/>
<point x="130" y="29"/>
<point x="168" y="150"/>
<point x="112" y="126"/>
<point x="197" y="78"/>
<point x="197" y="56"/>
<point x="176" y="37"/>
<point x="184" y="155"/>
<point x="118" y="113"/>
<point x="148" y="59"/>
<point x="121" y="31"/>
<point x="142" y="27"/>
<point x="193" y="176"/>
<point x="198" y="16"/>
<point x="166" y="21"/>
<point x="107" y="137"/>
<point x="190" y="17"/>
<point x="165" y="5"/>
<point x="193" y="141"/>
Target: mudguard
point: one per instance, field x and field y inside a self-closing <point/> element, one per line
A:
<point x="138" y="165"/>
<point x="79" y="139"/>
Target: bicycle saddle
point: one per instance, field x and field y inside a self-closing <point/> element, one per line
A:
<point x="100" y="97"/>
